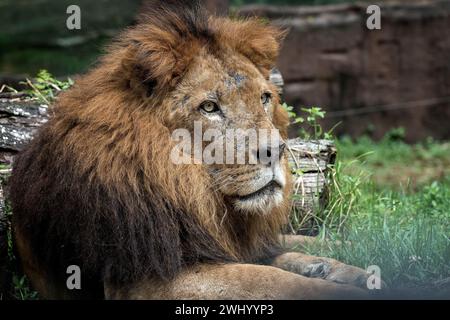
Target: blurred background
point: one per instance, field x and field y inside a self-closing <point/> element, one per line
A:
<point x="368" y="81"/>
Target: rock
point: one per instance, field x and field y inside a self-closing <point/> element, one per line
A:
<point x="396" y="76"/>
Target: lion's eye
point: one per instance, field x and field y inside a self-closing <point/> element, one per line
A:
<point x="209" y="107"/>
<point x="266" y="98"/>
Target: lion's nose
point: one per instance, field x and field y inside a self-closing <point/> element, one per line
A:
<point x="268" y="153"/>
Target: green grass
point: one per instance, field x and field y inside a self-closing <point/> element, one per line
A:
<point x="390" y="206"/>
<point x="395" y="164"/>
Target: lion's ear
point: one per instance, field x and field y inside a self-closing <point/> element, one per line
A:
<point x="255" y="39"/>
<point x="158" y="63"/>
<point x="166" y="40"/>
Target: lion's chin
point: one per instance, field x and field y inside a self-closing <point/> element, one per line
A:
<point x="261" y="201"/>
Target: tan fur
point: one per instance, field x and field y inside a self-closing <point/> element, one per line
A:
<point x="237" y="282"/>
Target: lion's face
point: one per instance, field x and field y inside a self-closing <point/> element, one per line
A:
<point x="230" y="98"/>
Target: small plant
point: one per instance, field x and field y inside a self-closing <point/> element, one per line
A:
<point x="289" y="109"/>
<point x="312" y="128"/>
<point x="22" y="289"/>
<point x="45" y="87"/>
<point x="396" y="134"/>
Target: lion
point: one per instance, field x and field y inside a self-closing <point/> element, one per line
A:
<point x="96" y="187"/>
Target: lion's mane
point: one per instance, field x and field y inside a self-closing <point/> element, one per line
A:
<point x="96" y="187"/>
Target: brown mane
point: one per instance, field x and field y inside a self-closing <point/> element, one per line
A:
<point x="96" y="187"/>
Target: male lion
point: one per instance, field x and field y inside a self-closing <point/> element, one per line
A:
<point x="96" y="187"/>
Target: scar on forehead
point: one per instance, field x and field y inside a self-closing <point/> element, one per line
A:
<point x="236" y="79"/>
<point x="239" y="78"/>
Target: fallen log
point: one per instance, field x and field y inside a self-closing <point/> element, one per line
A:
<point x="19" y="118"/>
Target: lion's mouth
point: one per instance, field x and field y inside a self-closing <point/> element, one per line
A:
<point x="269" y="189"/>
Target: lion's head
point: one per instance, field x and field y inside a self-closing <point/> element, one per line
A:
<point x="224" y="96"/>
<point x="212" y="74"/>
<point x="114" y="196"/>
